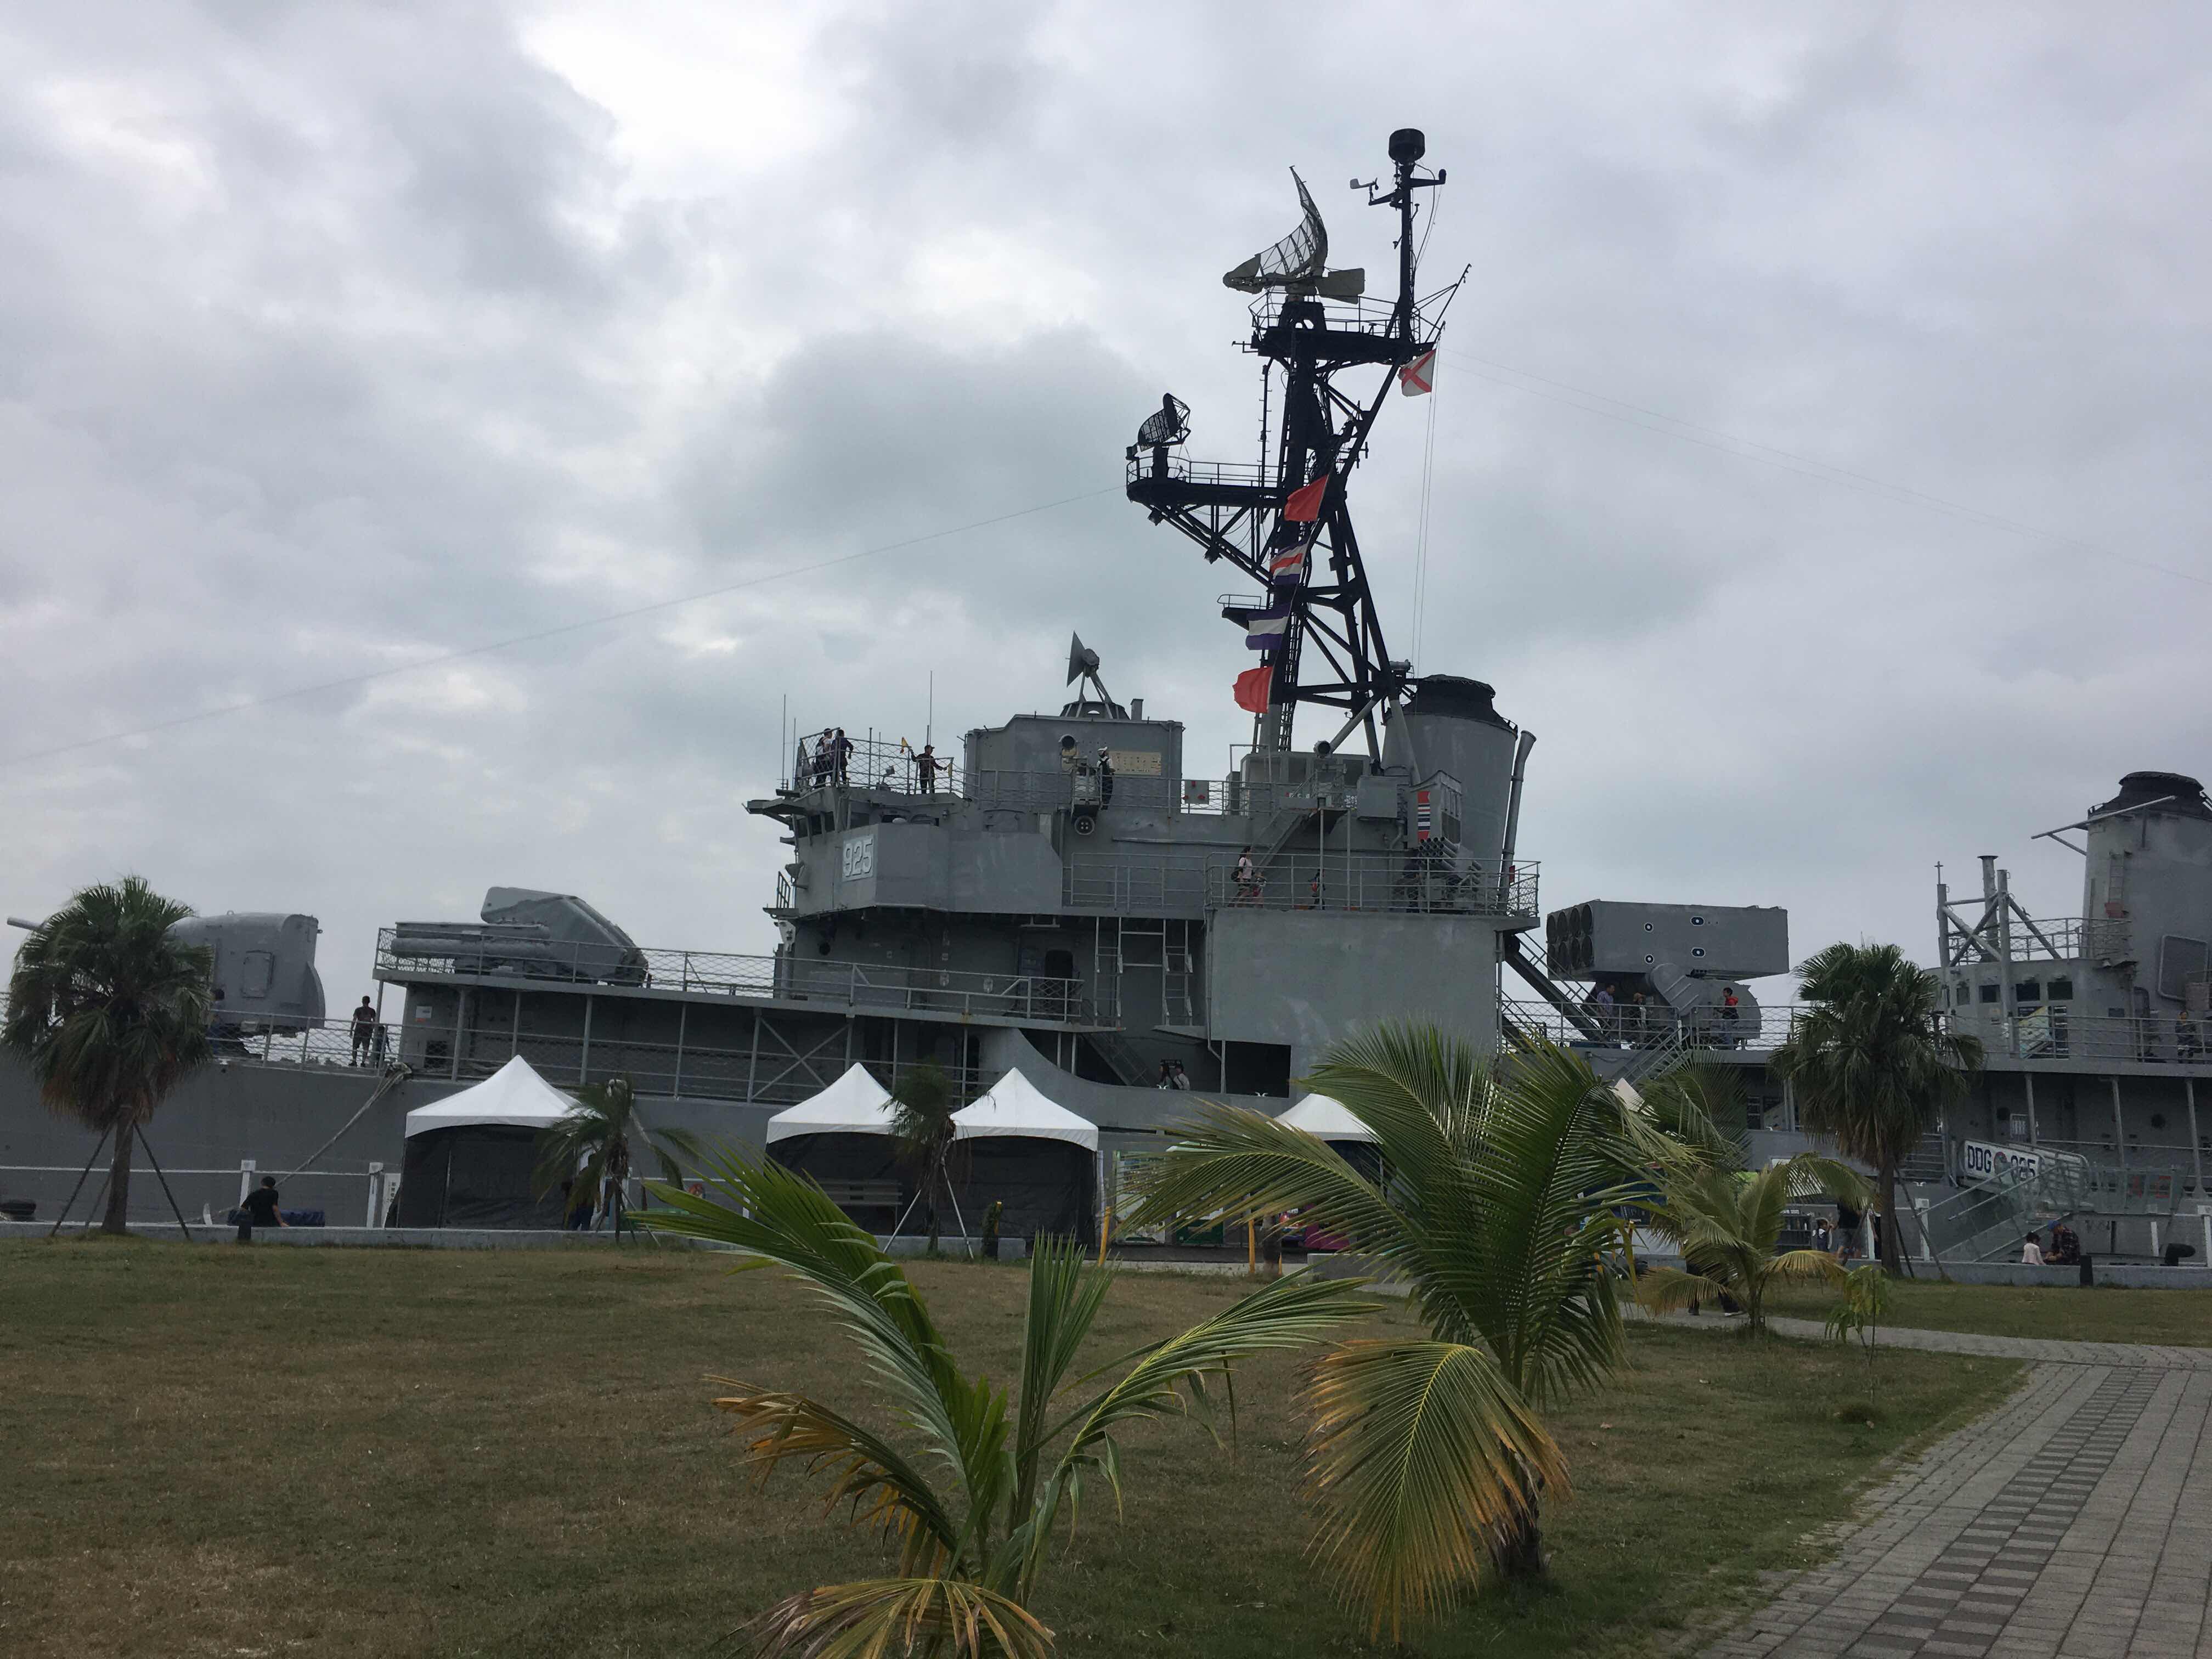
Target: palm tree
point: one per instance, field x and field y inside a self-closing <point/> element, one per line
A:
<point x="974" y="1498"/>
<point x="110" y="1012"/>
<point x="922" y="1105"/>
<point x="1502" y="1210"/>
<point x="1726" y="1223"/>
<point x="1873" y="1063"/>
<point x="597" y="1144"/>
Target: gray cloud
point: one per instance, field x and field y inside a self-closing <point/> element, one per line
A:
<point x="334" y="338"/>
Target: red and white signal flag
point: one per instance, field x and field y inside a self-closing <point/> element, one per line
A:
<point x="1419" y="378"/>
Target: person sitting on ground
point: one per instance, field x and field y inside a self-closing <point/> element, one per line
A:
<point x="2030" y="1253"/>
<point x="2065" y="1250"/>
<point x="261" y="1210"/>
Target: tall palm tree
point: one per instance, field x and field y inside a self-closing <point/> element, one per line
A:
<point x="975" y="1494"/>
<point x="1503" y="1209"/>
<point x="110" y="1012"/>
<point x="1873" y="1063"/>
<point x="922" y="1104"/>
<point x="1727" y="1222"/>
<point x="597" y="1144"/>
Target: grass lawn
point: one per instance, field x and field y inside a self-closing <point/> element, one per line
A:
<point x="2067" y="1313"/>
<point x="246" y="1452"/>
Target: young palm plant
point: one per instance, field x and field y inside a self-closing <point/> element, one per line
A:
<point x="1502" y="1210"/>
<point x="598" y="1145"/>
<point x="973" y="1497"/>
<point x="1727" y="1222"/>
<point x="110" y="1012"/>
<point x="1873" y="1063"/>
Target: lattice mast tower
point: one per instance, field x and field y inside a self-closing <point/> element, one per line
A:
<point x="1311" y="324"/>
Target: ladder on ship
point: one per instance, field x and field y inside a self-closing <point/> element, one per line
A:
<point x="1123" y="947"/>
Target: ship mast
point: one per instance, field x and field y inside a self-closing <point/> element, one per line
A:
<point x="1318" y="612"/>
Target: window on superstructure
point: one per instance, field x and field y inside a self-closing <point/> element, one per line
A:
<point x="2026" y="992"/>
<point x="1988" y="993"/>
<point x="2061" y="990"/>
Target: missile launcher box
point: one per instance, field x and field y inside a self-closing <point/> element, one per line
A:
<point x="1710" y="941"/>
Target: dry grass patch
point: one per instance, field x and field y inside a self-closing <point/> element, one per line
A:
<point x="223" y="1452"/>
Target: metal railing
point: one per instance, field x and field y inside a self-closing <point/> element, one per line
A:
<point x="1399" y="882"/>
<point x="2055" y="1032"/>
<point x="1151" y="463"/>
<point x="2049" y="939"/>
<point x="333" y="1044"/>
<point x="1025" y="997"/>
<point x="877" y="762"/>
<point x="1655" y="1027"/>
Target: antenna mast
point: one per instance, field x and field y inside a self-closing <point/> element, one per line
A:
<point x="1286" y="523"/>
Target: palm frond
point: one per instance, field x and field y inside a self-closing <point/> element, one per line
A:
<point x="1421" y="1454"/>
<point x="778" y="1215"/>
<point x="871" y="1477"/>
<point x="1814" y="1265"/>
<point x="1669" y="1289"/>
<point x="890" y="1618"/>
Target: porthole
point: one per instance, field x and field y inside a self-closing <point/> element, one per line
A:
<point x="1696" y="950"/>
<point x="1696" y="922"/>
<point x="1647" y="958"/>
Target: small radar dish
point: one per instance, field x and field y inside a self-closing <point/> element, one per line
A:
<point x="1083" y="665"/>
<point x="1171" y="425"/>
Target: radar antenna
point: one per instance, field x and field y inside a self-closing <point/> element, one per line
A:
<point x="1083" y="664"/>
<point x="1285" y="523"/>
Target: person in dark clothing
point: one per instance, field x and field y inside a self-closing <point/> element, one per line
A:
<point x="364" y="1031"/>
<point x="840" y="755"/>
<point x="261" y="1211"/>
<point x="925" y="769"/>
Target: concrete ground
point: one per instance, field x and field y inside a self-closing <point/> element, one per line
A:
<point x="2075" y="1522"/>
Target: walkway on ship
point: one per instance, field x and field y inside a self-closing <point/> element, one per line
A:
<point x="2073" y="1522"/>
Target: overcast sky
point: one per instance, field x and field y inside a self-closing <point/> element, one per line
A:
<point x="336" y="337"/>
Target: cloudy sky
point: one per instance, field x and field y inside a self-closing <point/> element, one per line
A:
<point x="1818" y="445"/>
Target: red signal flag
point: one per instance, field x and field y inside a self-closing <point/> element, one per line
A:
<point x="1305" y="504"/>
<point x="1252" y="689"/>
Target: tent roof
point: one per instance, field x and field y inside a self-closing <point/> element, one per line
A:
<point x="1015" y="1107"/>
<point x="1326" y="1119"/>
<point x="514" y="1094"/>
<point x="855" y="1104"/>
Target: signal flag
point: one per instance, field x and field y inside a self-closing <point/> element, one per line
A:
<point x="1252" y="689"/>
<point x="1419" y="378"/>
<point x="1305" y="504"/>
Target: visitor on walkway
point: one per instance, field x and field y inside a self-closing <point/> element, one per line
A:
<point x="925" y="769"/>
<point x="1167" y="1077"/>
<point x="261" y="1210"/>
<point x="1182" y="1077"/>
<point x="840" y="755"/>
<point x="1248" y="878"/>
<point x="2031" y="1254"/>
<point x="364" y="1031"/>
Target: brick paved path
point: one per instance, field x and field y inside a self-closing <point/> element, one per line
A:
<point x="2074" y="1522"/>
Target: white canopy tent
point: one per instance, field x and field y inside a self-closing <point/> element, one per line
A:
<point x="855" y="1104"/>
<point x="514" y="1096"/>
<point x="1015" y="1107"/>
<point x="1326" y="1119"/>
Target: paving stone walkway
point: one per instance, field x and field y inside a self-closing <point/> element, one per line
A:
<point x="2074" y="1522"/>
<point x="2119" y="1354"/>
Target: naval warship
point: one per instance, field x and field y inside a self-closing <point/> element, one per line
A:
<point x="1068" y="899"/>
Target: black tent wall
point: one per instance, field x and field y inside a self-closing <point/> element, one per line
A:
<point x="1046" y="1186"/>
<point x="840" y="1161"/>
<point x="476" y="1175"/>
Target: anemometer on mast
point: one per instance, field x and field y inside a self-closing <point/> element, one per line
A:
<point x="1286" y="522"/>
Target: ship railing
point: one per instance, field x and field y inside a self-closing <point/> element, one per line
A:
<point x="1401" y="883"/>
<point x="2054" y="1031"/>
<point x="1026" y="997"/>
<point x="1053" y="792"/>
<point x="1629" y="1027"/>
<point x="1165" y="464"/>
<point x="2050" y="938"/>
<point x="880" y="763"/>
<point x="1361" y="316"/>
